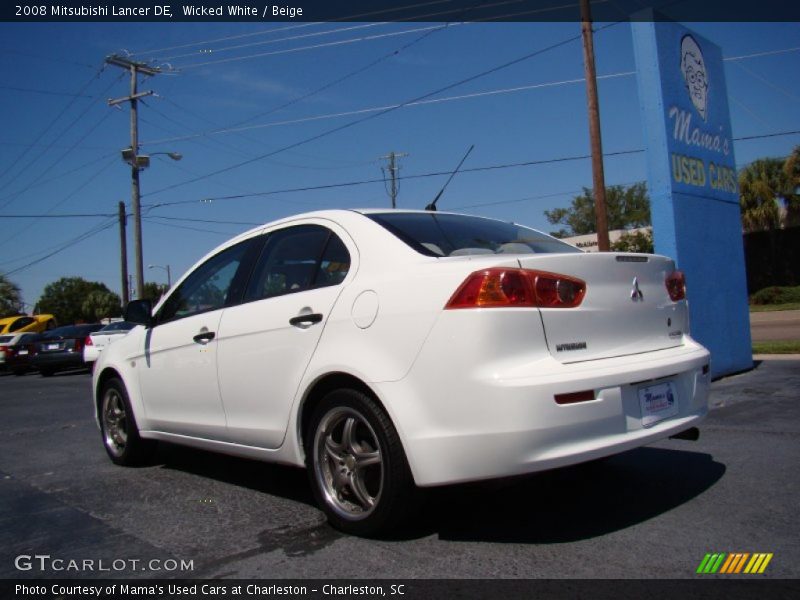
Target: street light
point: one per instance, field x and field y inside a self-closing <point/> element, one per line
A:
<point x="138" y="162"/>
<point x="166" y="268"/>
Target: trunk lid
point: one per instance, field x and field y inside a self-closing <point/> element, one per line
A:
<point x="626" y="310"/>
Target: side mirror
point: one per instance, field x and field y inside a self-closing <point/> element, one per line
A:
<point x="139" y="312"/>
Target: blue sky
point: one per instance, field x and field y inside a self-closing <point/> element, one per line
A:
<point x="534" y="110"/>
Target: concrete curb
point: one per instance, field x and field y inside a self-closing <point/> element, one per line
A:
<point x="776" y="356"/>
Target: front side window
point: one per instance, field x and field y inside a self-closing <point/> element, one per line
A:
<point x="207" y="288"/>
<point x="296" y="259"/>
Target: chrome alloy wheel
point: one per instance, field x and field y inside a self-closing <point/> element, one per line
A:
<point x="115" y="422"/>
<point x="348" y="465"/>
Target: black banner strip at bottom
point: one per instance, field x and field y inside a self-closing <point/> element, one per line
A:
<point x="402" y="589"/>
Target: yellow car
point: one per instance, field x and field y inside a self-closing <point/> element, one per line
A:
<point x="24" y="323"/>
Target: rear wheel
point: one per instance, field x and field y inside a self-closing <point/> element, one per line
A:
<point x="118" y="427"/>
<point x="46" y="372"/>
<point x="356" y="464"/>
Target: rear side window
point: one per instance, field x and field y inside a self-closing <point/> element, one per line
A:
<point x="296" y="259"/>
<point x="435" y="234"/>
<point x="20" y="323"/>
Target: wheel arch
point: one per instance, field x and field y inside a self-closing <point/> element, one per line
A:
<point x="317" y="391"/>
<point x="102" y="378"/>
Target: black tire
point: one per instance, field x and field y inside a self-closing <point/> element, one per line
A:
<point x="19" y="372"/>
<point x="46" y="372"/>
<point x="118" y="427"/>
<point x="365" y="499"/>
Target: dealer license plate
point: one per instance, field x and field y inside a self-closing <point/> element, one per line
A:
<point x="22" y="352"/>
<point x="53" y="346"/>
<point x="658" y="402"/>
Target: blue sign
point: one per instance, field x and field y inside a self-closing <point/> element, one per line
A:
<point x="693" y="183"/>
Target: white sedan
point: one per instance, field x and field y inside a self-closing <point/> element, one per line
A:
<point x="96" y="342"/>
<point x="388" y="351"/>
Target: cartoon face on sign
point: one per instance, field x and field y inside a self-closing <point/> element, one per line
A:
<point x="693" y="68"/>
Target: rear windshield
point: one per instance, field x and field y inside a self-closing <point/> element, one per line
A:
<point x="118" y="326"/>
<point x="4" y="339"/>
<point x="71" y="331"/>
<point x="435" y="234"/>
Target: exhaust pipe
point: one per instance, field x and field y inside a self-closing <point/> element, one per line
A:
<point x="692" y="434"/>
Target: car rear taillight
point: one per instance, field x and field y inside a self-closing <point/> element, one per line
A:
<point x="508" y="288"/>
<point x="676" y="285"/>
<point x="6" y="350"/>
<point x="88" y="341"/>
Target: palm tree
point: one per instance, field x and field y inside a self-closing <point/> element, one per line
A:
<point x="792" y="169"/>
<point x="762" y="184"/>
<point x="10" y="297"/>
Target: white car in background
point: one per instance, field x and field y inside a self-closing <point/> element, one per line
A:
<point x="97" y="341"/>
<point x="391" y="350"/>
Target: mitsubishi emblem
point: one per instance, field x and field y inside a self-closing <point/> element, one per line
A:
<point x="636" y="293"/>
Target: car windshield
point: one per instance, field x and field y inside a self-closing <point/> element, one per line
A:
<point x="436" y="234"/>
<point x="70" y="331"/>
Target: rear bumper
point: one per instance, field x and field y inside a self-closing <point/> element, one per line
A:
<point x="461" y="421"/>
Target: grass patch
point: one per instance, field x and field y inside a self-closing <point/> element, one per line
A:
<point x="790" y="347"/>
<point x="774" y="307"/>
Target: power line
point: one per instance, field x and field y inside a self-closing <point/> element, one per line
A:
<point x="386" y="111"/>
<point x="312" y="47"/>
<point x="404" y="177"/>
<point x="14" y="195"/>
<point x="46" y="92"/>
<point x="61" y="216"/>
<point x="84" y="236"/>
<point x="265" y="42"/>
<point x="289" y="27"/>
<point x="360" y="111"/>
<point x="186" y="227"/>
<point x="94" y="176"/>
<point x="234" y="128"/>
<point x="53" y="122"/>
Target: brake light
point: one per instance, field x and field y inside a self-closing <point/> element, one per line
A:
<point x="7" y="350"/>
<point x="676" y="285"/>
<point x="88" y="341"/>
<point x="507" y="288"/>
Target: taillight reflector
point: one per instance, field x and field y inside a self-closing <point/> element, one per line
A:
<point x="574" y="397"/>
<point x="676" y="285"/>
<point x="88" y="341"/>
<point x="504" y="288"/>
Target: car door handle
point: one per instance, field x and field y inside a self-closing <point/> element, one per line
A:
<point x="205" y="337"/>
<point x="309" y="319"/>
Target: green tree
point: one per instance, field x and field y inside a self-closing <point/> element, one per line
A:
<point x="626" y="207"/>
<point x="792" y="169"/>
<point x="101" y="304"/>
<point x="10" y="297"/>
<point x="153" y="291"/>
<point x="637" y="241"/>
<point x="69" y="300"/>
<point x="762" y="185"/>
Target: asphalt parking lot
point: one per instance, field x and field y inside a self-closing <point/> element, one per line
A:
<point x="650" y="513"/>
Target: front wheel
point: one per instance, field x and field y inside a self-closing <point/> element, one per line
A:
<point x="118" y="427"/>
<point x="356" y="464"/>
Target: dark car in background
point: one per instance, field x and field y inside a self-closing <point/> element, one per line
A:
<point x="16" y="350"/>
<point x="62" y="348"/>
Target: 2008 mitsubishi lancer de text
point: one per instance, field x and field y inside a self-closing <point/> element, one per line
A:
<point x="391" y="350"/>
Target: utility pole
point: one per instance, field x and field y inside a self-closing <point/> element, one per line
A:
<point x="393" y="170"/>
<point x="123" y="254"/>
<point x="131" y="155"/>
<point x="598" y="176"/>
